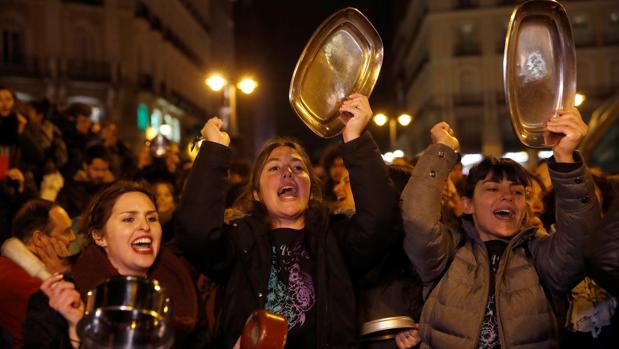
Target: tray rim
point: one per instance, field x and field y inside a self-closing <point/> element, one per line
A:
<point x="346" y="16"/>
<point x="556" y="11"/>
<point x="378" y="325"/>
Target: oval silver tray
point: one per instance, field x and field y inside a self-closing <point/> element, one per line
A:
<point x="384" y="328"/>
<point x="539" y="69"/>
<point x="343" y="56"/>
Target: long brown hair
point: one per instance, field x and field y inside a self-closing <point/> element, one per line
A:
<point x="246" y="204"/>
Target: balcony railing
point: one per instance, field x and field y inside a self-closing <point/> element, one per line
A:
<point x="468" y="99"/>
<point x="26" y="66"/>
<point x="86" y="70"/>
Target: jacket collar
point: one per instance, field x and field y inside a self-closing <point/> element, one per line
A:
<point x="16" y="251"/>
<point x="526" y="233"/>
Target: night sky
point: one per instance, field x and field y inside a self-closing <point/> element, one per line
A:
<point x="270" y="36"/>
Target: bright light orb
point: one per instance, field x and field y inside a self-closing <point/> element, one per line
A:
<point x="405" y="119"/>
<point x="380" y="119"/>
<point x="216" y="82"/>
<point x="579" y="99"/>
<point x="247" y="85"/>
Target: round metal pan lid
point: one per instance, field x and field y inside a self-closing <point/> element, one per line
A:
<point x="379" y="326"/>
<point x="539" y="69"/>
<point x="343" y="56"/>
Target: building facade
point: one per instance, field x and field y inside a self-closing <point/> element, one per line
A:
<point x="139" y="63"/>
<point x="447" y="64"/>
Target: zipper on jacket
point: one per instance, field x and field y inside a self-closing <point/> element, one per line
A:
<point x="499" y="276"/>
<point x="486" y="264"/>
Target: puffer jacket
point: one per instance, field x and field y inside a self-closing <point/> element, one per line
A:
<point x="454" y="267"/>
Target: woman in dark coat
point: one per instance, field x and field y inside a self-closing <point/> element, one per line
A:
<point x="124" y="225"/>
<point x="280" y="252"/>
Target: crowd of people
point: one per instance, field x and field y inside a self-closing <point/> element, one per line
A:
<point x="502" y="257"/>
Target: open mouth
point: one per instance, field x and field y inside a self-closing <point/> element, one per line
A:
<point x="143" y="245"/>
<point x="287" y="191"/>
<point x="504" y="214"/>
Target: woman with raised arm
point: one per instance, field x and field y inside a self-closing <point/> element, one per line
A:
<point x="281" y="252"/>
<point x="488" y="279"/>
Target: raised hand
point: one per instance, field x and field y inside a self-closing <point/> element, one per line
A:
<point x="355" y="112"/>
<point x="569" y="123"/>
<point x="52" y="252"/>
<point x="443" y="134"/>
<point x="213" y="131"/>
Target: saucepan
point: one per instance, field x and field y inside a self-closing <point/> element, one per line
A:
<point x="127" y="312"/>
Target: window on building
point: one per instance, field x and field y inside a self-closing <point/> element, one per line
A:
<point x="614" y="74"/>
<point x="12" y="46"/>
<point x="583" y="34"/>
<point x="612" y="28"/>
<point x="467" y="40"/>
<point x="83" y="44"/>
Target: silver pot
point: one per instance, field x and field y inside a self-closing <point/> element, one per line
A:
<point x="127" y="312"/>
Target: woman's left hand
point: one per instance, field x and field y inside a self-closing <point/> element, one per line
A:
<point x="409" y="338"/>
<point x="355" y="113"/>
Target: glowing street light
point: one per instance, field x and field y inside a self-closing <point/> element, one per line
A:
<point x="579" y="99"/>
<point x="217" y="82"/>
<point x="247" y="85"/>
<point x="405" y="119"/>
<point x="380" y="119"/>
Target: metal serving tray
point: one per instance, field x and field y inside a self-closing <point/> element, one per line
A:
<point x="343" y="56"/>
<point x="539" y="69"/>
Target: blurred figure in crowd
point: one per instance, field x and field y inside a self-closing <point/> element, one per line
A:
<point x="77" y="136"/>
<point x="123" y="226"/>
<point x="166" y="205"/>
<point x="122" y="161"/>
<point x="93" y="176"/>
<point x="333" y="164"/>
<point x="391" y="288"/>
<point x="41" y="236"/>
<point x="16" y="150"/>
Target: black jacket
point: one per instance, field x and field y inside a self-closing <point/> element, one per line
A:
<point x="238" y="255"/>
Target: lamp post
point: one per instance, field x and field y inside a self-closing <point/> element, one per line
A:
<point x="381" y="119"/>
<point x="247" y="85"/>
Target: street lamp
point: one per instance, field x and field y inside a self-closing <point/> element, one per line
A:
<point x="381" y="119"/>
<point x="247" y="85"/>
<point x="579" y="99"/>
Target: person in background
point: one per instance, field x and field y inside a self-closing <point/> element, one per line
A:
<point x="95" y="174"/>
<point x="125" y="239"/>
<point x="166" y="205"/>
<point x="392" y="287"/>
<point x="486" y="279"/>
<point x="282" y="253"/>
<point x="39" y="247"/>
<point x="122" y="161"/>
<point x="16" y="149"/>
<point x="333" y="164"/>
<point x="77" y="136"/>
